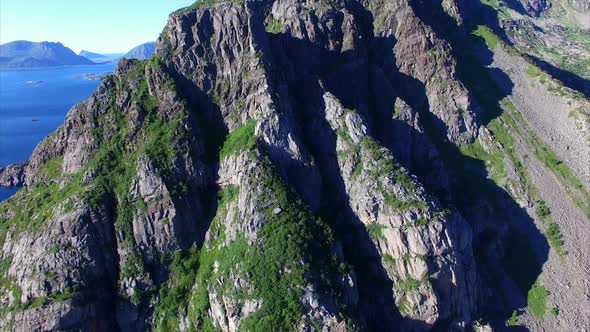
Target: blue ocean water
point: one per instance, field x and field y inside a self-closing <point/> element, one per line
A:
<point x="33" y="103"/>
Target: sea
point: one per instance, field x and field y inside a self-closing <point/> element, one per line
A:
<point x="34" y="102"/>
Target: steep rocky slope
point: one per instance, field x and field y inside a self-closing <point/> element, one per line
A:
<point x="300" y="165"/>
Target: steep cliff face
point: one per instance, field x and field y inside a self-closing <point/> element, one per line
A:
<point x="292" y="70"/>
<point x="277" y="165"/>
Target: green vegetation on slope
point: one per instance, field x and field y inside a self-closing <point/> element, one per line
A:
<point x="228" y="257"/>
<point x="504" y="125"/>
<point x="380" y="163"/>
<point x="289" y="238"/>
<point x="552" y="230"/>
<point x="205" y="3"/>
<point x="272" y="266"/>
<point x="242" y="138"/>
<point x="376" y="231"/>
<point x="174" y="295"/>
<point x="490" y="38"/>
<point x="31" y="207"/>
<point x="113" y="165"/>
<point x="494" y="161"/>
<point x="274" y="26"/>
<point x="571" y="184"/>
<point x="513" y="320"/>
<point x="537" y="300"/>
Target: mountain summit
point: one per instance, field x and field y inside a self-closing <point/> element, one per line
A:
<point x="141" y="52"/>
<point x="26" y="54"/>
<point x="92" y="55"/>
<point x="386" y="165"/>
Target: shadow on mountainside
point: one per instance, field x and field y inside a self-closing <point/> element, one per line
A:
<point x="212" y="131"/>
<point x="509" y="249"/>
<point x="509" y="227"/>
<point x="481" y="14"/>
<point x="567" y="78"/>
<point x="304" y="65"/>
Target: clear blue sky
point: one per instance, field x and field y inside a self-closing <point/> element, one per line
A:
<point x="104" y="26"/>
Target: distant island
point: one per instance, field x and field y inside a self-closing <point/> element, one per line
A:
<point x="101" y="57"/>
<point x="91" y="55"/>
<point x="142" y="52"/>
<point x="25" y="54"/>
<point x="92" y="77"/>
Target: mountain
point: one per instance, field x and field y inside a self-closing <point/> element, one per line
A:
<point x="101" y="58"/>
<point x="141" y="52"/>
<point x="25" y="54"/>
<point x="92" y="55"/>
<point x="385" y="165"/>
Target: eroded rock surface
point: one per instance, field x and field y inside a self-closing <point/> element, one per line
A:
<point x="13" y="175"/>
<point x="277" y="165"/>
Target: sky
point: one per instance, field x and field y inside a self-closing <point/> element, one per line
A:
<point x="103" y="26"/>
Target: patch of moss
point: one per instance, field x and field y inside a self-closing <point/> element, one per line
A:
<point x="555" y="238"/>
<point x="342" y="132"/>
<point x="274" y="26"/>
<point x="537" y="300"/>
<point x="164" y="141"/>
<point x="410" y="284"/>
<point x="494" y="161"/>
<point x="376" y="231"/>
<point x="490" y="38"/>
<point x="358" y="168"/>
<point x="51" y="169"/>
<point x="397" y="110"/>
<point x="67" y="295"/>
<point x="133" y="266"/>
<point x="36" y="303"/>
<point x="513" y="320"/>
<point x="534" y="71"/>
<point x="241" y="139"/>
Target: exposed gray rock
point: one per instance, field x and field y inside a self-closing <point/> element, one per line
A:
<point x="13" y="175"/>
<point x="299" y="155"/>
<point x="537" y="7"/>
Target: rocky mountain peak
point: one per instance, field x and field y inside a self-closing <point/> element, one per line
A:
<point x="276" y="165"/>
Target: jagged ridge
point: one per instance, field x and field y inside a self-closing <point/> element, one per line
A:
<point x="143" y="214"/>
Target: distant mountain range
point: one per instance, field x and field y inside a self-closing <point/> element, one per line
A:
<point x="142" y="52"/>
<point x="101" y="58"/>
<point x="26" y="54"/>
<point x="91" y="55"/>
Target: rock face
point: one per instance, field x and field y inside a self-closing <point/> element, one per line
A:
<point x="580" y="5"/>
<point x="25" y="54"/>
<point x="276" y="165"/>
<point x="537" y="7"/>
<point x="13" y="175"/>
